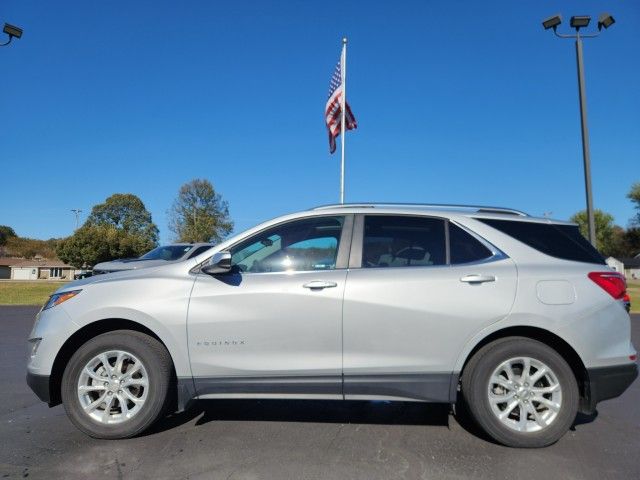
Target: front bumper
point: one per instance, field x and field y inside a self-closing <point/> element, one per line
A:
<point x="40" y="386"/>
<point x="607" y="382"/>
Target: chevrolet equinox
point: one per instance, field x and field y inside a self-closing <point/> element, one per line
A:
<point x="517" y="319"/>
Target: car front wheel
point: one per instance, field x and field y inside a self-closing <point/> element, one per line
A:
<point x="521" y="392"/>
<point x="116" y="384"/>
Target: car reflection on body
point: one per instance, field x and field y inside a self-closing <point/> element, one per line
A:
<point x="164" y="254"/>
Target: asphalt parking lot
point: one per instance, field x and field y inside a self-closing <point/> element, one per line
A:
<point x="232" y="439"/>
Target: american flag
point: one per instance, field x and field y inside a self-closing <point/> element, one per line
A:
<point x="333" y="110"/>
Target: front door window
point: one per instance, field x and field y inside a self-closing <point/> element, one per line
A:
<point x="303" y="245"/>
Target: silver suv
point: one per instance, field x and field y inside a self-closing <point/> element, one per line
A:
<point x="515" y="318"/>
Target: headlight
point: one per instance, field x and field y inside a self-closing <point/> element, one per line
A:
<point x="58" y="298"/>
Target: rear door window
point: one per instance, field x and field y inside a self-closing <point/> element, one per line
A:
<point x="403" y="241"/>
<point x="560" y="241"/>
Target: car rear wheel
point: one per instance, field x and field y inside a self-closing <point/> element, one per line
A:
<point x="116" y="384"/>
<point x="521" y="392"/>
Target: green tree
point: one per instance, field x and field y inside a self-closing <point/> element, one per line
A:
<point x="634" y="196"/>
<point x="127" y="213"/>
<point x="618" y="245"/>
<point x="605" y="229"/>
<point x="30" y="247"/>
<point x="121" y="227"/>
<point x="632" y="242"/>
<point x="199" y="214"/>
<point x="90" y="244"/>
<point x="5" y="234"/>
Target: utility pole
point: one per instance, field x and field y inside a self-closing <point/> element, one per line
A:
<point x="584" y="130"/>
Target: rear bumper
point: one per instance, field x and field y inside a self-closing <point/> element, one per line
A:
<point x="40" y="386"/>
<point x="608" y="382"/>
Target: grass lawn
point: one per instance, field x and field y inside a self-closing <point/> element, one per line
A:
<point x="27" y="293"/>
<point x="633" y="289"/>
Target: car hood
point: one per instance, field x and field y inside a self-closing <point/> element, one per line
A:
<point x="165" y="268"/>
<point x="97" y="279"/>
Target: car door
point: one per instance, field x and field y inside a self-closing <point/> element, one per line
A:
<point x="418" y="288"/>
<point x="273" y="325"/>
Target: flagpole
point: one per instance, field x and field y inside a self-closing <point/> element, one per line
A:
<point x="343" y="108"/>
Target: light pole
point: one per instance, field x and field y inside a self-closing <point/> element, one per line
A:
<point x="77" y="212"/>
<point x="12" y="31"/>
<point x="578" y="22"/>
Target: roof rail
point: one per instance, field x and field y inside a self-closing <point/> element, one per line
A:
<point x="476" y="208"/>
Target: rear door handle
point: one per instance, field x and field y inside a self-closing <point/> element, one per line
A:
<point x="478" y="278"/>
<point x="319" y="285"/>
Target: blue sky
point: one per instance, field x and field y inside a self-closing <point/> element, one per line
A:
<point x="459" y="102"/>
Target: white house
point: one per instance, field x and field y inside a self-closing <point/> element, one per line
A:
<point x="632" y="268"/>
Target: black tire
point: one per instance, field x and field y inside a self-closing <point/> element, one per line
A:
<point x="475" y="382"/>
<point x="157" y="362"/>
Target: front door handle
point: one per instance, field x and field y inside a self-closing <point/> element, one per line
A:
<point x="319" y="285"/>
<point x="478" y="278"/>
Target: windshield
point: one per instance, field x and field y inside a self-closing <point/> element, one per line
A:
<point x="168" y="252"/>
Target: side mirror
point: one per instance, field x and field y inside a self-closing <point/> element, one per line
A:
<point x="219" y="263"/>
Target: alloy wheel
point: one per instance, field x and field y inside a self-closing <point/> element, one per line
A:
<point x="524" y="394"/>
<point x="113" y="387"/>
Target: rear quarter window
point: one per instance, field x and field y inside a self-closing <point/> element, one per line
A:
<point x="560" y="241"/>
<point x="464" y="248"/>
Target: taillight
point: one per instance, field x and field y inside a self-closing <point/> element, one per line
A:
<point x="611" y="282"/>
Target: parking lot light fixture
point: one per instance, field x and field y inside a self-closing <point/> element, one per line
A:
<point x="605" y="20"/>
<point x="581" y="21"/>
<point x="552" y="22"/>
<point x="12" y="31"/>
